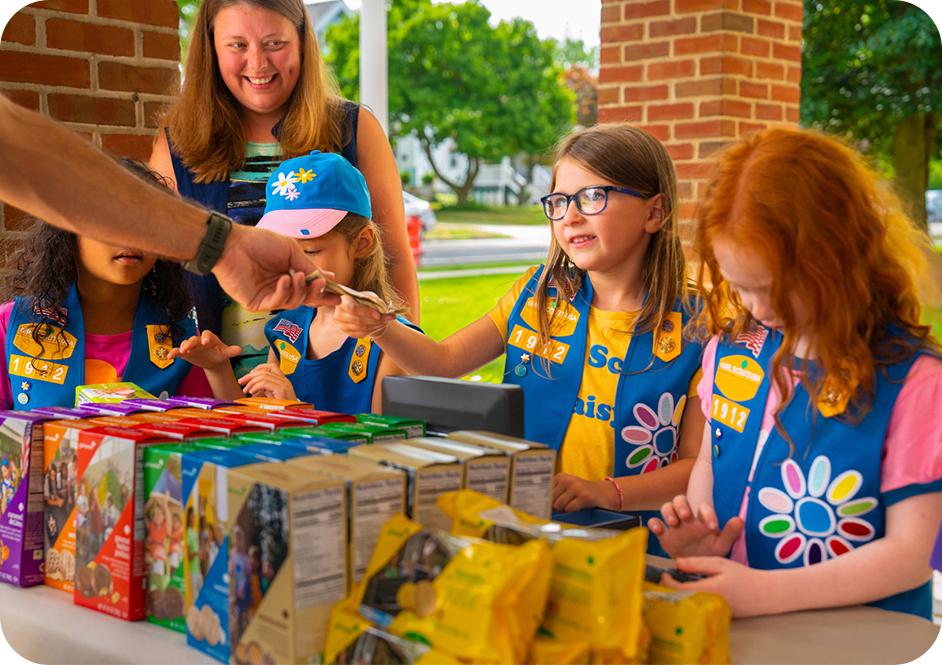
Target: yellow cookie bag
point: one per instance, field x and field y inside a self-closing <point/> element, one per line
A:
<point x="344" y="629"/>
<point x="595" y="590"/>
<point x="595" y="594"/>
<point x="686" y="626"/>
<point x="550" y="652"/>
<point x="478" y="515"/>
<point x="485" y="605"/>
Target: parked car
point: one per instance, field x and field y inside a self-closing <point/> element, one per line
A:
<point x="934" y="213"/>
<point x="420" y="208"/>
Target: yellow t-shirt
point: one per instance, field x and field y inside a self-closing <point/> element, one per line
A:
<point x="588" y="446"/>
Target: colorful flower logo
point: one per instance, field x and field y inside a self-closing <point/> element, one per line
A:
<point x="284" y="184"/>
<point x="656" y="437"/>
<point x="818" y="518"/>
<point x="305" y="174"/>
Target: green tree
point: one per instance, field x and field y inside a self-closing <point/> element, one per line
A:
<point x="872" y="71"/>
<point x="492" y="90"/>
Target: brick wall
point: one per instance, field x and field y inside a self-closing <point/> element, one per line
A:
<point x="105" y="68"/>
<point x="698" y="74"/>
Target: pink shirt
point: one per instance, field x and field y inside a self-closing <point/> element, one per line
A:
<point x="912" y="452"/>
<point x="106" y="357"/>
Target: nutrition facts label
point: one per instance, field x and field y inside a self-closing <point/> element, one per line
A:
<point x="373" y="504"/>
<point x="489" y="478"/>
<point x="532" y="483"/>
<point x="428" y="486"/>
<point x="317" y="545"/>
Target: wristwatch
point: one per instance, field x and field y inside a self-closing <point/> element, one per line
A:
<point x="210" y="249"/>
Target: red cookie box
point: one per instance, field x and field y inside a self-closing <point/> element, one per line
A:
<point x="267" y="419"/>
<point x="109" y="521"/>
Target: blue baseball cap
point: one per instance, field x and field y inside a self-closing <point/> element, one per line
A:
<point x="308" y="196"/>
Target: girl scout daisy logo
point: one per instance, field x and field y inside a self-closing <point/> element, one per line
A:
<point x="656" y="436"/>
<point x="817" y="517"/>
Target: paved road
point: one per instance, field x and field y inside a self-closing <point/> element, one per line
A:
<point x="526" y="243"/>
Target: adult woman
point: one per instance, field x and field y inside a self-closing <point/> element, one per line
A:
<point x="255" y="92"/>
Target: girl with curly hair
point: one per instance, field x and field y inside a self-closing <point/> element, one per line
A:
<point x="89" y="312"/>
<point x="819" y="479"/>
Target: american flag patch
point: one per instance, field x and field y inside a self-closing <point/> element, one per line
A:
<point x="58" y="315"/>
<point x="291" y="330"/>
<point x="753" y="339"/>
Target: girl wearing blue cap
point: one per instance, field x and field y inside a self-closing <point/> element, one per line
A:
<point x="594" y="336"/>
<point x="321" y="200"/>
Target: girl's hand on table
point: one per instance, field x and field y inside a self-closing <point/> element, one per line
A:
<point x="574" y="493"/>
<point x="744" y="588"/>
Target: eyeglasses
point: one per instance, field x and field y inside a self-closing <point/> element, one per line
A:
<point x="589" y="200"/>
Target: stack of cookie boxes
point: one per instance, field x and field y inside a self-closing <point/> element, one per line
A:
<point x="239" y="524"/>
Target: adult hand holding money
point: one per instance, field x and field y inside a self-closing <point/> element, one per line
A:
<point x="365" y="298"/>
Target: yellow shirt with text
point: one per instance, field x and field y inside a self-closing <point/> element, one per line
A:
<point x="588" y="446"/>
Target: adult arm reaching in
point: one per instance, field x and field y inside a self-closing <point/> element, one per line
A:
<point x="57" y="176"/>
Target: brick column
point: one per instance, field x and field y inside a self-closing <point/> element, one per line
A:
<point x="105" y="68"/>
<point x="698" y="74"/>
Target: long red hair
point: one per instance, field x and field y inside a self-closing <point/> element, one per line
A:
<point x="836" y="239"/>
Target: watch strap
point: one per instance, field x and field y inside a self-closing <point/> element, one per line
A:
<point x="211" y="246"/>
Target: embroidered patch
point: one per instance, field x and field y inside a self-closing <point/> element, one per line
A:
<point x="288" y="357"/>
<point x="357" y="370"/>
<point x="656" y="438"/>
<point x="753" y="339"/>
<point x="667" y="344"/>
<point x="738" y="377"/>
<point x="57" y="344"/>
<point x="291" y="330"/>
<point x="816" y="518"/>
<point x="159" y="344"/>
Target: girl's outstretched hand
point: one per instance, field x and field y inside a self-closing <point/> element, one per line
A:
<point x="267" y="380"/>
<point x="732" y="580"/>
<point x="682" y="533"/>
<point x="205" y="350"/>
<point x="358" y="321"/>
<point x="575" y="493"/>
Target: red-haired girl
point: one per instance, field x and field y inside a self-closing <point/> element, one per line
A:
<point x="819" y="473"/>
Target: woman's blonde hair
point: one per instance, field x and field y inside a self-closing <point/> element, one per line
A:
<point x="370" y="272"/>
<point x="833" y="235"/>
<point x="206" y="122"/>
<point x="629" y="157"/>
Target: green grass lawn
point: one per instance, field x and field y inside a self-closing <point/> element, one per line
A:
<point x="531" y="215"/>
<point x="453" y="231"/>
<point x="450" y="304"/>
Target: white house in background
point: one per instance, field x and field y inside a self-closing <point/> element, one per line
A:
<point x="325" y="14"/>
<point x="496" y="184"/>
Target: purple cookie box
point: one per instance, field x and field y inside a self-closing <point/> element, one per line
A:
<point x="200" y="402"/>
<point x="21" y="530"/>
<point x="62" y="412"/>
<point x="117" y="409"/>
<point x="147" y="404"/>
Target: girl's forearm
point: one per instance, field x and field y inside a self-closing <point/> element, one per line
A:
<point x="875" y="571"/>
<point x="466" y="350"/>
<point x="223" y="383"/>
<point x="649" y="491"/>
<point x="897" y="562"/>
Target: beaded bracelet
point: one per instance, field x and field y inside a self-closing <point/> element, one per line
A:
<point x="621" y="495"/>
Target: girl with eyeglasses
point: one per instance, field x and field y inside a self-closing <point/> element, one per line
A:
<point x="594" y="336"/>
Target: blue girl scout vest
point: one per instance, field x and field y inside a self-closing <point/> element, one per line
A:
<point x="341" y="381"/>
<point x="48" y="374"/>
<point x="653" y="379"/>
<point x="823" y="498"/>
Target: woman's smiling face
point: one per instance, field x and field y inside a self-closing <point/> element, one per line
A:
<point x="259" y="56"/>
